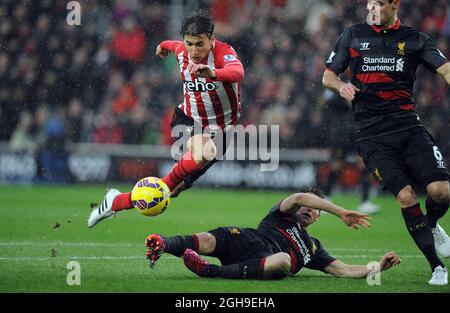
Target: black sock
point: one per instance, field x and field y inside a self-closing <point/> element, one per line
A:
<point x="176" y="245"/>
<point x="251" y="269"/>
<point x="435" y="210"/>
<point x="420" y="230"/>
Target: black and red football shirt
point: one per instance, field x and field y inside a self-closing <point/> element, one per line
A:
<point x="383" y="66"/>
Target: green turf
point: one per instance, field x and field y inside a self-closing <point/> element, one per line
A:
<point x="34" y="252"/>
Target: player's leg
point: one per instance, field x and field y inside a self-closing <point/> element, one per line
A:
<point x="105" y="209"/>
<point x="242" y="253"/>
<point x="437" y="202"/>
<point x="366" y="205"/>
<point x="381" y="157"/>
<point x="200" y="151"/>
<point x="276" y="266"/>
<point x="203" y="243"/>
<point x="426" y="166"/>
<point x="335" y="169"/>
<point x="418" y="226"/>
<point x="116" y="201"/>
<point x="212" y="146"/>
<point x="430" y="170"/>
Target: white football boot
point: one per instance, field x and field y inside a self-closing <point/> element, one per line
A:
<point x="439" y="277"/>
<point x="441" y="241"/>
<point x="104" y="210"/>
<point x="368" y="207"/>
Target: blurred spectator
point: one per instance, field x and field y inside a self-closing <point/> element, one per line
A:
<point x="129" y="45"/>
<point x="107" y="129"/>
<point x="74" y="120"/>
<point x="54" y="153"/>
<point x="104" y="75"/>
<point x="126" y="100"/>
<point x="22" y="139"/>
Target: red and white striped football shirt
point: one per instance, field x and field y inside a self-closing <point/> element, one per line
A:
<point x="210" y="102"/>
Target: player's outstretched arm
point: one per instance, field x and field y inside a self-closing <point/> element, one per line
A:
<point x="340" y="269"/>
<point x="162" y="53"/>
<point x="353" y="219"/>
<point x="167" y="46"/>
<point x="444" y="71"/>
<point x="346" y="90"/>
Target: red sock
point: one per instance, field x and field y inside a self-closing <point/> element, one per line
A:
<point x="122" y="202"/>
<point x="182" y="169"/>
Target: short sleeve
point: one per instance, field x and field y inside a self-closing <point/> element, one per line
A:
<point x="321" y="258"/>
<point x="431" y="56"/>
<point x="339" y="58"/>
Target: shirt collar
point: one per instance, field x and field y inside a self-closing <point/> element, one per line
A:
<point x="396" y="26"/>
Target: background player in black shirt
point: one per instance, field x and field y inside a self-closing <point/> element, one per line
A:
<point x="390" y="137"/>
<point x="278" y="247"/>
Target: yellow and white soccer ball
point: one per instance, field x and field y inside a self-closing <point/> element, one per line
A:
<point x="150" y="196"/>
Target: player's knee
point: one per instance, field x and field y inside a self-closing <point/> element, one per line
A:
<point x="206" y="243"/>
<point x="278" y="266"/>
<point x="439" y="191"/>
<point x="406" y="197"/>
<point x="209" y="151"/>
<point x="202" y="148"/>
<point x="284" y="262"/>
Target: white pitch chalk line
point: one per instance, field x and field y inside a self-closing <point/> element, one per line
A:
<point x="135" y="257"/>
<point x="73" y="244"/>
<point x="104" y="244"/>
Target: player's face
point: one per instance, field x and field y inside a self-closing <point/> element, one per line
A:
<point x="386" y="9"/>
<point x="198" y="46"/>
<point x="308" y="216"/>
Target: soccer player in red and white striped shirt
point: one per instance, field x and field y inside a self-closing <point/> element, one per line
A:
<point x="211" y="73"/>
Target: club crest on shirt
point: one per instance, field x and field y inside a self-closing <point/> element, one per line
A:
<point x="401" y="48"/>
<point x="234" y="231"/>
<point x="229" y="58"/>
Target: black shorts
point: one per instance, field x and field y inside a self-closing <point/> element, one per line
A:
<point x="410" y="157"/>
<point x="187" y="126"/>
<point x="236" y="245"/>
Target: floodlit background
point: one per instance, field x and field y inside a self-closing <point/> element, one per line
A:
<point x="87" y="107"/>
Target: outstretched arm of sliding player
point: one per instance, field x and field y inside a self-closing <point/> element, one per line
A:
<point x="341" y="269"/>
<point x="353" y="219"/>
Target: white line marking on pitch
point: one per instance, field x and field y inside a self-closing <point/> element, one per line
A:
<point x="108" y="257"/>
<point x="104" y="244"/>
<point x="73" y="244"/>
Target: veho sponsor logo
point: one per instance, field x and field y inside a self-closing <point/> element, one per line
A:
<point x="199" y="86"/>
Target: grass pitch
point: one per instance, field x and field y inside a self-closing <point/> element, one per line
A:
<point x="43" y="228"/>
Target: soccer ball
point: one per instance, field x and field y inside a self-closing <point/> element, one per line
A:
<point x="150" y="196"/>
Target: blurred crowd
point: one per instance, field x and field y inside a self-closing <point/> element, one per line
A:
<point x="101" y="82"/>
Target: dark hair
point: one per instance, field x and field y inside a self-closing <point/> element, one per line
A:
<point x="197" y="23"/>
<point x="317" y="191"/>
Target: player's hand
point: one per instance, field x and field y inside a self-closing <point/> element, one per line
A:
<point x="201" y="70"/>
<point x="162" y="53"/>
<point x="355" y="219"/>
<point x="348" y="91"/>
<point x="388" y="260"/>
